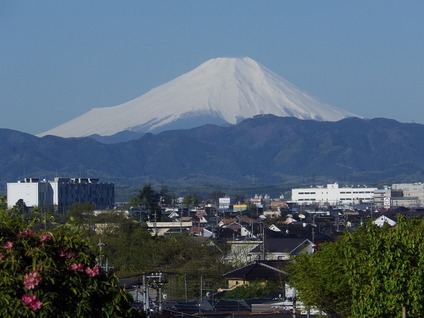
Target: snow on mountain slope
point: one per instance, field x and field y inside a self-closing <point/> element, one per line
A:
<point x="219" y="91"/>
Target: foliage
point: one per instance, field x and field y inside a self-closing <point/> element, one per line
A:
<point x="53" y="273"/>
<point x="150" y="200"/>
<point x="190" y="200"/>
<point x="166" y="196"/>
<point x="322" y="280"/>
<point x="372" y="272"/>
<point x="81" y="215"/>
<point x="387" y="269"/>
<point x="132" y="250"/>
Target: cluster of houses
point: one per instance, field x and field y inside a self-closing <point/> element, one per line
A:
<point x="262" y="242"/>
<point x="263" y="234"/>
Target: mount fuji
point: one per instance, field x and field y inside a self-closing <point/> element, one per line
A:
<point x="220" y="91"/>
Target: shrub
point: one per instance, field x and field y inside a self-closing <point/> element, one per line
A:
<point x="52" y="272"/>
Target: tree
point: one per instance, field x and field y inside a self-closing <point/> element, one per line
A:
<point x="150" y="199"/>
<point x="321" y="279"/>
<point x="372" y="272"/>
<point x="20" y="206"/>
<point x="387" y="269"/>
<point x="81" y="215"/>
<point x="3" y="202"/>
<point x="166" y="196"/>
<point x="54" y="273"/>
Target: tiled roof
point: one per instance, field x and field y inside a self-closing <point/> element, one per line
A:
<point x="258" y="270"/>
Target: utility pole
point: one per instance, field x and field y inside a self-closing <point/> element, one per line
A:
<point x="153" y="280"/>
<point x="100" y="244"/>
<point x="185" y="286"/>
<point x="201" y="288"/>
<point x="263" y="241"/>
<point x="146" y="301"/>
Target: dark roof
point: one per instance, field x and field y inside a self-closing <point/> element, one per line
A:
<point x="280" y="245"/>
<point x="259" y="270"/>
<point x="300" y="230"/>
<point x="208" y="305"/>
<point x="130" y="282"/>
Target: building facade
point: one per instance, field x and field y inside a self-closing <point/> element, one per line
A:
<point x="332" y="194"/>
<point x="32" y="191"/>
<point x="407" y="194"/>
<point x="61" y="193"/>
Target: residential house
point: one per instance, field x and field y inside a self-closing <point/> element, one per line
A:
<point x="262" y="271"/>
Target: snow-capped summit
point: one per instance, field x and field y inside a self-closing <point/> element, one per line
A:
<point x="219" y="91"/>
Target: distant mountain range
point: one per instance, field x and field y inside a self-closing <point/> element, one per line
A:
<point x="221" y="91"/>
<point x="264" y="150"/>
<point x="228" y="123"/>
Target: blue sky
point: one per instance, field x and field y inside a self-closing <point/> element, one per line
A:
<point x="59" y="59"/>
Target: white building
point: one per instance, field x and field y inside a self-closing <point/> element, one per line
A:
<point x="382" y="197"/>
<point x="332" y="194"/>
<point x="61" y="193"/>
<point x="407" y="194"/>
<point x="224" y="203"/>
<point x="32" y="191"/>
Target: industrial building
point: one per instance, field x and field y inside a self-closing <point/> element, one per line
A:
<point x="61" y="193"/>
<point x="410" y="195"/>
<point x="332" y="194"/>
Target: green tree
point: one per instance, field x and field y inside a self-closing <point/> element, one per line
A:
<point x="3" y="202"/>
<point x="372" y="272"/>
<point x="387" y="269"/>
<point x="150" y="200"/>
<point x="81" y="215"/>
<point x="20" y="207"/>
<point x="322" y="280"/>
<point x="167" y="198"/>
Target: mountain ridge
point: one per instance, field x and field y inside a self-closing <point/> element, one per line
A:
<point x="264" y="150"/>
<point x="220" y="91"/>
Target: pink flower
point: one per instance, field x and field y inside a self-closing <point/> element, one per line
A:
<point x="27" y="298"/>
<point x="45" y="237"/>
<point x="76" y="267"/>
<point x="63" y="251"/>
<point x="70" y="255"/>
<point x="32" y="302"/>
<point x="25" y="233"/>
<point x="31" y="280"/>
<point x="93" y="272"/>
<point x="8" y="245"/>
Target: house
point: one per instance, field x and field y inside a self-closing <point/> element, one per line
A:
<point x="162" y="228"/>
<point x="239" y="253"/>
<point x="281" y="248"/>
<point x="256" y="271"/>
<point x="381" y="220"/>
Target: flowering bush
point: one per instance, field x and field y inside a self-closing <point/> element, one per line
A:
<point x="53" y="273"/>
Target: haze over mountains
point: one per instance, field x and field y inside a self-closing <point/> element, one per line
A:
<point x="256" y="155"/>
<point x="220" y="91"/>
<point x="243" y="127"/>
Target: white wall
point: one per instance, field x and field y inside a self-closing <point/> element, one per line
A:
<point x="25" y="190"/>
<point x="332" y="194"/>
